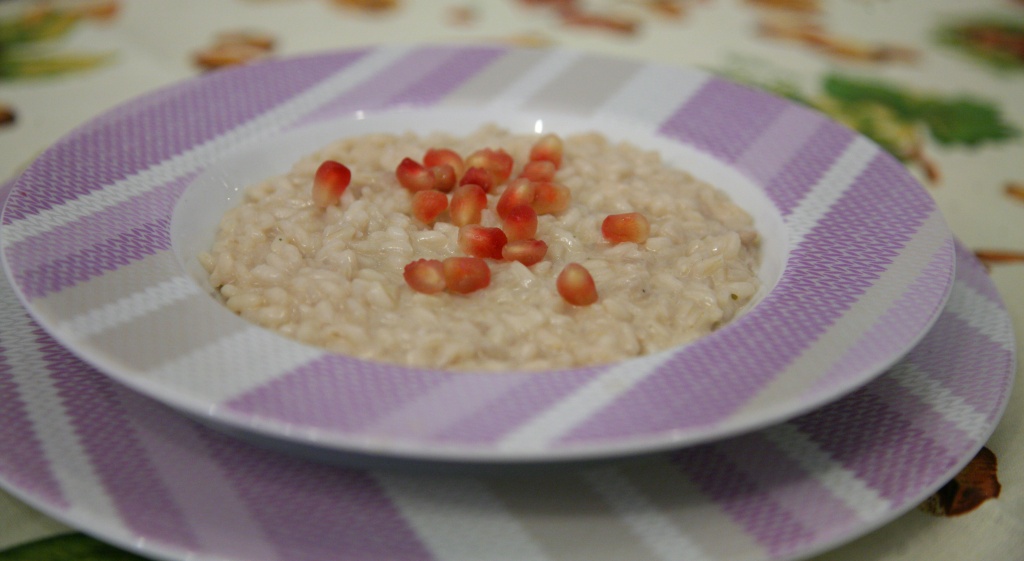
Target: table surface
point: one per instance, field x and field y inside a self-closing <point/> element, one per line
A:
<point x="873" y="64"/>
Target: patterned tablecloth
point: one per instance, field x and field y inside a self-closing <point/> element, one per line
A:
<point x="938" y="83"/>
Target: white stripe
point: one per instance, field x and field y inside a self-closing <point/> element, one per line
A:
<point x="539" y="432"/>
<point x="129" y="308"/>
<point x="203" y="154"/>
<point x="653" y="95"/>
<point x="836" y="181"/>
<point x="535" y="79"/>
<point x="64" y="453"/>
<point x="978" y="311"/>
<point x="841" y="482"/>
<point x="459" y="519"/>
<point x="941" y="400"/>
<point x="642" y="516"/>
<point x="262" y="354"/>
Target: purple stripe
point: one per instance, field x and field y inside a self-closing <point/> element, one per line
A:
<point x="214" y="511"/>
<point x="442" y="80"/>
<point x="446" y="405"/>
<point x="923" y="417"/>
<point x="845" y="254"/>
<point x="498" y="418"/>
<point x="118" y="458"/>
<point x="800" y="175"/>
<point x="743" y="500"/>
<point x="23" y="464"/>
<point x="957" y="350"/>
<point x="897" y="462"/>
<point x="421" y="77"/>
<point x="81" y="235"/>
<point x="108" y="255"/>
<point x="810" y="503"/>
<point x="297" y="505"/>
<point x="123" y="142"/>
<point x="972" y="273"/>
<point x="886" y="336"/>
<point x="337" y="392"/>
<point x="724" y="118"/>
<point x="780" y="143"/>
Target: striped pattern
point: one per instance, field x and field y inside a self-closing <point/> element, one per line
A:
<point x="867" y="247"/>
<point x="118" y="465"/>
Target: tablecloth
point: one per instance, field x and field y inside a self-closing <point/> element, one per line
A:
<point x="938" y="83"/>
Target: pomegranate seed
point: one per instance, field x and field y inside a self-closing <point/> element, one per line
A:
<point x="520" y="223"/>
<point x="444" y="156"/>
<point x="481" y="241"/>
<point x="478" y="176"/>
<point x="548" y="148"/>
<point x="425" y="275"/>
<point x="539" y="170"/>
<point x="551" y="198"/>
<point x="466" y="274"/>
<point x="526" y="252"/>
<point x="628" y="227"/>
<point x="413" y="176"/>
<point x="497" y="162"/>
<point x="428" y="205"/>
<point x="329" y="183"/>
<point x="468" y="204"/>
<point x="576" y="285"/>
<point x="520" y="192"/>
<point x="444" y="177"/>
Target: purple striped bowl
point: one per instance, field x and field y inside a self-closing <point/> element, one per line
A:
<point x="860" y="259"/>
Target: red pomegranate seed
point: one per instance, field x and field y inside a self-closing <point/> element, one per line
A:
<point x="551" y="198"/>
<point x="526" y="252"/>
<point x="444" y="177"/>
<point x="413" y="176"/>
<point x="467" y="205"/>
<point x="576" y="285"/>
<point x="481" y="241"/>
<point x="428" y="205"/>
<point x="628" y="227"/>
<point x="548" y="148"/>
<point x="497" y="162"/>
<point x="520" y="192"/>
<point x="329" y="183"/>
<point x="478" y="176"/>
<point x="520" y="223"/>
<point x="463" y="275"/>
<point x="426" y="276"/>
<point x="539" y="170"/>
<point x="444" y="156"/>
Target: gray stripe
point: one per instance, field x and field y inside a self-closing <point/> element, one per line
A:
<point x="167" y="334"/>
<point x="584" y="86"/>
<point x="109" y="287"/>
<point x="492" y="81"/>
<point x="569" y="519"/>
<point x="700" y="519"/>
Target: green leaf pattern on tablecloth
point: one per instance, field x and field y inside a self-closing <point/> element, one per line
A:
<point x="27" y="44"/>
<point x="68" y="547"/>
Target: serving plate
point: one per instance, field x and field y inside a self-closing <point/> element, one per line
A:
<point x="111" y="462"/>
<point x="100" y="234"/>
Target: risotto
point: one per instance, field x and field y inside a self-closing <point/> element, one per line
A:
<point x="676" y="261"/>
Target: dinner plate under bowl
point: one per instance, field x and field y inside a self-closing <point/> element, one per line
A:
<point x="127" y="469"/>
<point x="100" y="236"/>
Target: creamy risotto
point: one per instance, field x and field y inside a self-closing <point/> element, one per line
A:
<point x="337" y="275"/>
